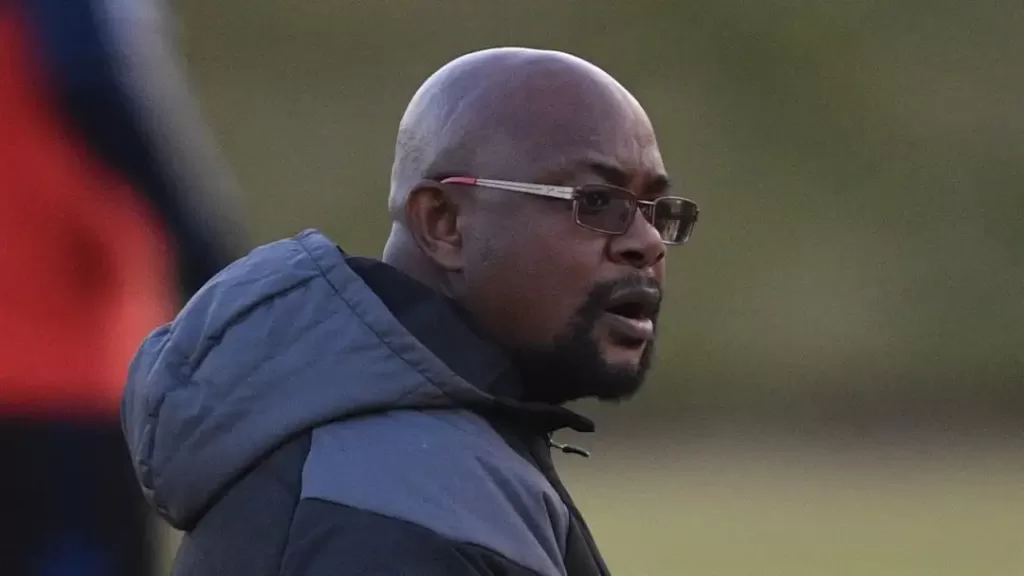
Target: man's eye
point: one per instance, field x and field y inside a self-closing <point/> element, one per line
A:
<point x="595" y="200"/>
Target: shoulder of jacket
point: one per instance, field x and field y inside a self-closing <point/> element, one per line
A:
<point x="446" y="470"/>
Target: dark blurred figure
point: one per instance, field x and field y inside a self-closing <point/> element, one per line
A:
<point x="113" y="207"/>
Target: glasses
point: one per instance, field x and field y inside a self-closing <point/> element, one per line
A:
<point x="607" y="209"/>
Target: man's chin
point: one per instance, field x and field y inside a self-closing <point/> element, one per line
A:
<point x="618" y="384"/>
<point x="598" y="380"/>
<point x="624" y="367"/>
<point x="583" y="368"/>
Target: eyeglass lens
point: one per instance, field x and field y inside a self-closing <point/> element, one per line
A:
<point x="611" y="210"/>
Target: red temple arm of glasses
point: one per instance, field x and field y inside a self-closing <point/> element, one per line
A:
<point x="460" y="180"/>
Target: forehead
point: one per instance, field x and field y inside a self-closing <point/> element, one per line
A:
<point x="624" y="156"/>
<point x="568" y="132"/>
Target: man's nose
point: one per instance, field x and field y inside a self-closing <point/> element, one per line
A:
<point x="640" y="247"/>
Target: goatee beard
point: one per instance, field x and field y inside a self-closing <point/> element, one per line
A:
<point x="572" y="367"/>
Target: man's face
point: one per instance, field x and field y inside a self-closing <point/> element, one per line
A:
<point x="577" y="308"/>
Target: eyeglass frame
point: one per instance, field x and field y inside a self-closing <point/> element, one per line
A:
<point x="572" y="194"/>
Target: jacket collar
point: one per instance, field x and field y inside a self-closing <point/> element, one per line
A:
<point x="445" y="328"/>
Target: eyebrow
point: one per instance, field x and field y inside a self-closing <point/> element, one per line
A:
<point x="616" y="176"/>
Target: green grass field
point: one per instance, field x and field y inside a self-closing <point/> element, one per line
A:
<point x="721" y="507"/>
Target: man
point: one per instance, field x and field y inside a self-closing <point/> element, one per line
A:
<point x="313" y="413"/>
<point x="108" y="194"/>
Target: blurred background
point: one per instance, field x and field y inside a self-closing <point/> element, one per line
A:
<point x="840" y="382"/>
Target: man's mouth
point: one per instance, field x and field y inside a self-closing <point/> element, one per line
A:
<point x="631" y="314"/>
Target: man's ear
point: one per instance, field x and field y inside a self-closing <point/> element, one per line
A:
<point x="432" y="217"/>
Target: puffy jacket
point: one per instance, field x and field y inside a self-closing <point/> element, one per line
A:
<point x="310" y="413"/>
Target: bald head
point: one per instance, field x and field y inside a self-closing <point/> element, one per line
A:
<point x="534" y="275"/>
<point x="507" y="113"/>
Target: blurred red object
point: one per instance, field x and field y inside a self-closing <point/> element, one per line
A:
<point x="85" y="268"/>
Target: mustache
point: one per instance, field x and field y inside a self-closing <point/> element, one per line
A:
<point x="636" y="282"/>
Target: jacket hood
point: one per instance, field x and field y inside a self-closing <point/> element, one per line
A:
<point x="282" y="340"/>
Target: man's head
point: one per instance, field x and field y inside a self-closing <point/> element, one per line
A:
<point x="574" y="305"/>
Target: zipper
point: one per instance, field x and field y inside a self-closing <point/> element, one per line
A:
<point x="567" y="448"/>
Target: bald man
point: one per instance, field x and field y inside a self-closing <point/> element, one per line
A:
<point x="314" y="413"/>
